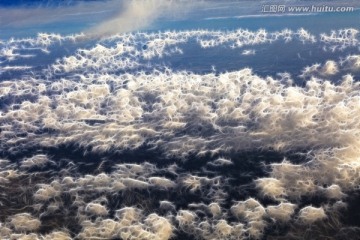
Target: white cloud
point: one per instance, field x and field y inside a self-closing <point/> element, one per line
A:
<point x="137" y="14"/>
<point x="28" y="16"/>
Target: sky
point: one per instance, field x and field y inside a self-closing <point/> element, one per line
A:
<point x="107" y="17"/>
<point x="95" y="17"/>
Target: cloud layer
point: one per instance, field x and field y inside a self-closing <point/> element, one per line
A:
<point x="88" y="152"/>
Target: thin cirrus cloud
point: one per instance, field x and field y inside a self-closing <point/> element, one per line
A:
<point x="37" y="14"/>
<point x="99" y="18"/>
<point x="138" y="14"/>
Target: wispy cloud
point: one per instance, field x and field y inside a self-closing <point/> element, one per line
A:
<point x="105" y="17"/>
<point x="137" y="14"/>
<point x="23" y="16"/>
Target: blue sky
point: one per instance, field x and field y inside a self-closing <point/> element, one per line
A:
<point x="103" y="17"/>
<point x="41" y="2"/>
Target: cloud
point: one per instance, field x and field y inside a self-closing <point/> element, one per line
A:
<point x="98" y="18"/>
<point x="137" y="14"/>
<point x="25" y="16"/>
